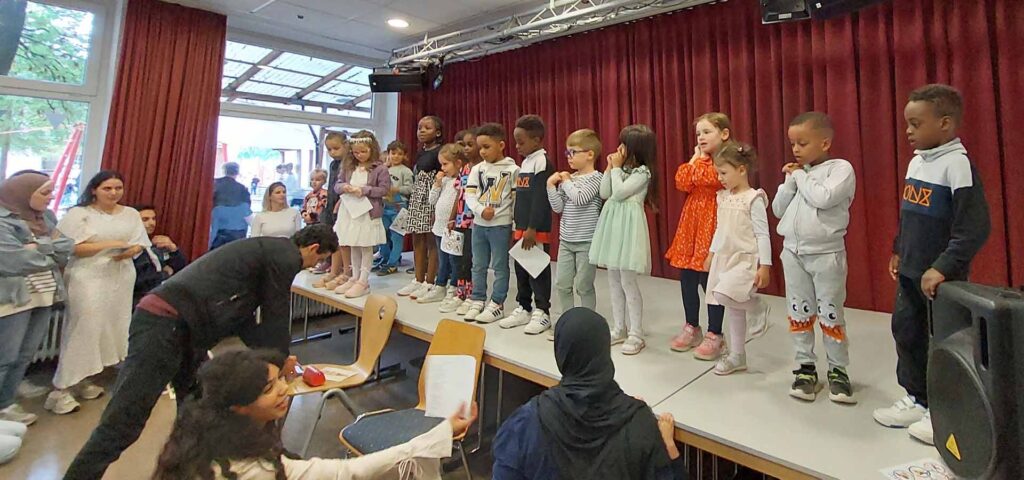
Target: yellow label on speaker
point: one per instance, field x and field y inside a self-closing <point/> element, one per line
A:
<point x="952" y="447"/>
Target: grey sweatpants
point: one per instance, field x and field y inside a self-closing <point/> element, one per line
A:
<point x="816" y="289"/>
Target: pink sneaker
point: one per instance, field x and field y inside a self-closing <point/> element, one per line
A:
<point x="685" y="341"/>
<point x="358" y="290"/>
<point x="709" y="349"/>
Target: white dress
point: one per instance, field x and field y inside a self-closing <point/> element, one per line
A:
<point x="361" y="231"/>
<point x="99" y="305"/>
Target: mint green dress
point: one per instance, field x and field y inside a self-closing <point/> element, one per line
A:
<point x="622" y="241"/>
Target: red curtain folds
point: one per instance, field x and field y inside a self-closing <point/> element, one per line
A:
<point x="162" y="131"/>
<point x="666" y="70"/>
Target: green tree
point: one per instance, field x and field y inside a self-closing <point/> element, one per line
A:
<point x="47" y="43"/>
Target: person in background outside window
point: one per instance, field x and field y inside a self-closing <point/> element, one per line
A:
<point x="231" y="208"/>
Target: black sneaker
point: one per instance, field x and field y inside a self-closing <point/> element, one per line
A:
<point x="805" y="386"/>
<point x="839" y="388"/>
<point x="410" y="270"/>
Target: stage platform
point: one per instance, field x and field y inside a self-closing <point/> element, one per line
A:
<point x="747" y="418"/>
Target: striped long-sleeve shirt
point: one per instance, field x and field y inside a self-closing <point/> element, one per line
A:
<point x="579" y="203"/>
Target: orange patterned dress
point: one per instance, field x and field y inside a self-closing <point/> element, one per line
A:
<point x="697" y="221"/>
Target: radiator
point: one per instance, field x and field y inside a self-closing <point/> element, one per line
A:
<point x="50" y="347"/>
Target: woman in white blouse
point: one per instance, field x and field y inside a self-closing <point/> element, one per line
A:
<point x="234" y="432"/>
<point x="277" y="219"/>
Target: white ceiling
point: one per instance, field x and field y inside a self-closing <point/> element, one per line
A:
<point x="357" y="29"/>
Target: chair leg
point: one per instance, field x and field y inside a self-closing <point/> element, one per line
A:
<point x="346" y="401"/>
<point x="465" y="461"/>
<point x="319" y="413"/>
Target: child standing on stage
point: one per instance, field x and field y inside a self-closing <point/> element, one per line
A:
<point x="944" y="221"/>
<point x="491" y="193"/>
<point x="366" y="177"/>
<point x="814" y="207"/>
<point x="443" y="196"/>
<point x="621" y="241"/>
<point x="337" y="147"/>
<point x="741" y="251"/>
<point x="401" y="187"/>
<point x="533" y="226"/>
<point x="464" y="225"/>
<point x="430" y="133"/>
<point x="698" y="179"/>
<point x="576" y="197"/>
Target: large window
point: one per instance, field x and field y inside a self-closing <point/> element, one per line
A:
<point x="267" y="77"/>
<point x="54" y="88"/>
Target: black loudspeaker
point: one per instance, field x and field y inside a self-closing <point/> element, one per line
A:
<point x="396" y="82"/>
<point x="976" y="379"/>
<point x="777" y="11"/>
<point x="824" y="9"/>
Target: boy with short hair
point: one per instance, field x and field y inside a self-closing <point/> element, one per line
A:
<point x="813" y="206"/>
<point x="943" y="223"/>
<point x="576" y="197"/>
<point x="401" y="187"/>
<point x="490" y="194"/>
<point x="532" y="226"/>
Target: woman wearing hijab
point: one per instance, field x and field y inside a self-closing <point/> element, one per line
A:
<point x="586" y="427"/>
<point x="32" y="253"/>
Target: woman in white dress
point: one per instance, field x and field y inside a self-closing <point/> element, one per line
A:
<point x="277" y="219"/>
<point x="100" y="278"/>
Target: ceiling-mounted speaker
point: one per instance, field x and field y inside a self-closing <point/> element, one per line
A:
<point x="976" y="380"/>
<point x="396" y="82"/>
<point x="778" y="11"/>
<point x="825" y="9"/>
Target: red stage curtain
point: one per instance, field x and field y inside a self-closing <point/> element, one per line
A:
<point x="162" y="131"/>
<point x="665" y="71"/>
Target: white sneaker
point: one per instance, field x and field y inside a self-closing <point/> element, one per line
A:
<point x="87" y="390"/>
<point x="424" y="289"/>
<point x="551" y="334"/>
<point x="14" y="413"/>
<point x="27" y="389"/>
<point x="476" y="307"/>
<point x="731" y="363"/>
<point x="902" y="414"/>
<point x="618" y="336"/>
<point x="491" y="314"/>
<point x="633" y="345"/>
<point x="922" y="429"/>
<point x="61" y="402"/>
<point x="434" y="294"/>
<point x="411" y="287"/>
<point x="464" y="307"/>
<point x="517" y="318"/>
<point x="539" y="322"/>
<point x="450" y="305"/>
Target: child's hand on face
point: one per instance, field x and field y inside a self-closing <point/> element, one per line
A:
<point x="615" y="160"/>
<point x="488" y="213"/>
<point x="437" y="178"/>
<point x="791" y="167"/>
<point x="763" y="277"/>
<point x="697" y="154"/>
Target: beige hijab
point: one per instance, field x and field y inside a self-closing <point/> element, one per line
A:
<point x="16" y="195"/>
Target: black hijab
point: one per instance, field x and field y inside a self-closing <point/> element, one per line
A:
<point x="593" y="429"/>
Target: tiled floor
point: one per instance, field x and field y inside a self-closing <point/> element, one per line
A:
<point x="54" y="440"/>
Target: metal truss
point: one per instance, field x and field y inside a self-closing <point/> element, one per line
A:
<point x="557" y="18"/>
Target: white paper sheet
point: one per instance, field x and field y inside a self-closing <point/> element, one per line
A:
<point x="449" y="384"/>
<point x="534" y="260"/>
<point x="401" y="222"/>
<point x="451" y="243"/>
<point x="337" y="374"/>
<point x="924" y="468"/>
<point x="356" y="206"/>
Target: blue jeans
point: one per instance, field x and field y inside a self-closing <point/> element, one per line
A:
<point x="447" y="264"/>
<point x="391" y="250"/>
<point x="490" y="245"/>
<point x="20" y="336"/>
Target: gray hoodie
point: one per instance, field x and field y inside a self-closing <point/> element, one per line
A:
<point x="492" y="185"/>
<point x="814" y="207"/>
